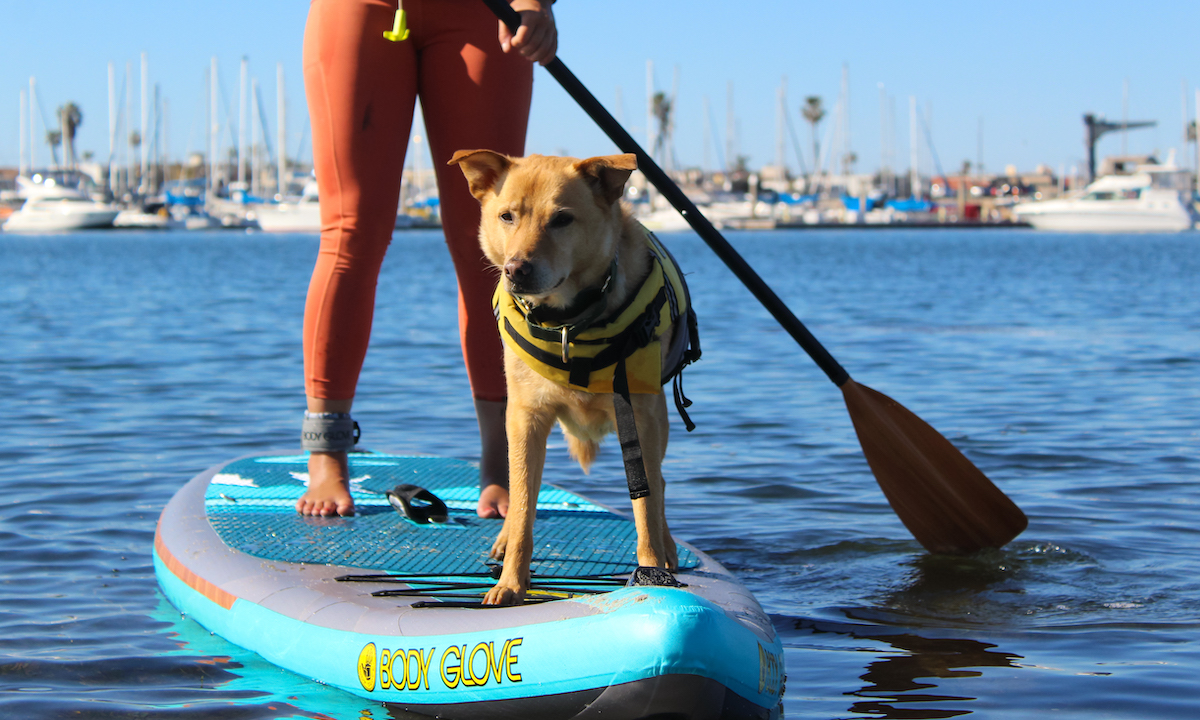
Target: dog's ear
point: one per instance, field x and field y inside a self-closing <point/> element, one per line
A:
<point x="483" y="169"/>
<point x="608" y="174"/>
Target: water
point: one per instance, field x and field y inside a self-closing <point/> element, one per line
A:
<point x="1066" y="367"/>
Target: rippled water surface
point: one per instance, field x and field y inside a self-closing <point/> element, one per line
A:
<point x="1067" y="367"/>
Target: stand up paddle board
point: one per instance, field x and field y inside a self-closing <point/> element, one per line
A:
<point x="389" y="608"/>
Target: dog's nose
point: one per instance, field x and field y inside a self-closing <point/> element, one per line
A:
<point x="517" y="271"/>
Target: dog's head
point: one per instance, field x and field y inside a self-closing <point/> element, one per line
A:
<point x="550" y="224"/>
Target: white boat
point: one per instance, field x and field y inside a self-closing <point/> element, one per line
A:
<point x="659" y="216"/>
<point x="138" y="219"/>
<point x="303" y="214"/>
<point x="1153" y="198"/>
<point x="52" y="206"/>
<point x="300" y="215"/>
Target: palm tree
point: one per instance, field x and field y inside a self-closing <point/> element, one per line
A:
<point x="813" y="112"/>
<point x="662" y="107"/>
<point x="54" y="140"/>
<point x="71" y="118"/>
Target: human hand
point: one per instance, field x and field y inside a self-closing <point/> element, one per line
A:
<point x="537" y="38"/>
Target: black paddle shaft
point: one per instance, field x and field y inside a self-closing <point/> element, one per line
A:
<point x="686" y="207"/>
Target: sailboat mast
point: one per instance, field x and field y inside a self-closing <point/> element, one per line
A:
<point x="143" y="180"/>
<point x="156" y="167"/>
<point x="214" y="131"/>
<point x="281" y="138"/>
<point x="255" y="175"/>
<point x="914" y="149"/>
<point x="884" y="165"/>
<point x="730" y="130"/>
<point x="243" y="88"/>
<point x="780" y="119"/>
<point x="32" y="126"/>
<point x="112" y="128"/>
<point x="23" y="165"/>
<point x="127" y="146"/>
<point x="847" y="164"/>
<point x="165" y="154"/>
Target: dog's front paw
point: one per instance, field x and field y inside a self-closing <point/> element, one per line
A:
<point x="504" y="594"/>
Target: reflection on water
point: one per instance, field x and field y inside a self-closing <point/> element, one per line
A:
<point x="893" y="687"/>
<point x="898" y="680"/>
<point x="228" y="688"/>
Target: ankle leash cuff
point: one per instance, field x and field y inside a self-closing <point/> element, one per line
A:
<point x="329" y="432"/>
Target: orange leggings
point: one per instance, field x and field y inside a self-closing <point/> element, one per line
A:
<point x="361" y="92"/>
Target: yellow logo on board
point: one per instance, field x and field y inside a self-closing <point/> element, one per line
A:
<point x="770" y="672"/>
<point x="366" y="667"/>
<point x="487" y="663"/>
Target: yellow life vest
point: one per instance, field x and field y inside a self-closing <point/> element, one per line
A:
<point x="585" y="358"/>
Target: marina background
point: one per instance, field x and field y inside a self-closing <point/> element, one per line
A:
<point x="1003" y="84"/>
<point x="1064" y="366"/>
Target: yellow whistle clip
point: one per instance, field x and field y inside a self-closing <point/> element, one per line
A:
<point x="399" y="31"/>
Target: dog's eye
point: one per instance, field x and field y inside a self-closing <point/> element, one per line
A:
<point x="506" y="218"/>
<point x="561" y="220"/>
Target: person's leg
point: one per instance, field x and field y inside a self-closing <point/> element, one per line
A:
<point x="361" y="89"/>
<point x="474" y="95"/>
<point x="493" y="465"/>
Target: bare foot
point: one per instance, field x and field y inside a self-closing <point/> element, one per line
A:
<point x="328" y="490"/>
<point x="493" y="502"/>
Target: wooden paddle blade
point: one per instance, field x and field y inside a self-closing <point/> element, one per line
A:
<point x="946" y="502"/>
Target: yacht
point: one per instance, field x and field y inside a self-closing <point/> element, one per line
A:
<point x="303" y="214"/>
<point x="656" y="214"/>
<point x="1151" y="198"/>
<point x="53" y="204"/>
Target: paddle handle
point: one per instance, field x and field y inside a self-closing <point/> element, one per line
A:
<point x="685" y="206"/>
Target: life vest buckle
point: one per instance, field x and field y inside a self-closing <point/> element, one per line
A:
<point x="643" y="329"/>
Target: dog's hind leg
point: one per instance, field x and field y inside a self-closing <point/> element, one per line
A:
<point x="655" y="546"/>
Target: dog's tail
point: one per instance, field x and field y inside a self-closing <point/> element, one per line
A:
<point x="584" y="451"/>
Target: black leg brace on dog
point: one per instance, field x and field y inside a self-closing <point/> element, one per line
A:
<point x="627" y="434"/>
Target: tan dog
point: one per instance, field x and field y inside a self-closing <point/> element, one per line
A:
<point x="554" y="227"/>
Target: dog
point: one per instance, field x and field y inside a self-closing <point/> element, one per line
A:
<point x="571" y="257"/>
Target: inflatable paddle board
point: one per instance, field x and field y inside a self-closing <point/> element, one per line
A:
<point x="388" y="608"/>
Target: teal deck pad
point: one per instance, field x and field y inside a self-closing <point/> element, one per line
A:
<point x="251" y="505"/>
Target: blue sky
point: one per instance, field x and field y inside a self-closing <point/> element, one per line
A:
<point x="1026" y="70"/>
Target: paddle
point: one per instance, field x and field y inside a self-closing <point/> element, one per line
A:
<point x="946" y="502"/>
